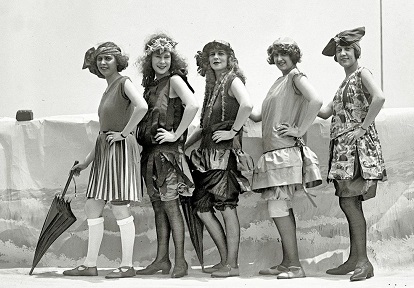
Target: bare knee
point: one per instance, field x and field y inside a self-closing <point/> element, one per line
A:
<point x="121" y="211"/>
<point x="94" y="208"/>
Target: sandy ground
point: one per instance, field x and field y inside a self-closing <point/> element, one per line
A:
<point x="52" y="277"/>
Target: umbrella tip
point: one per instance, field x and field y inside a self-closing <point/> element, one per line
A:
<point x="31" y="271"/>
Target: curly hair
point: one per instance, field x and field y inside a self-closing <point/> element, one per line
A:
<point x="292" y="50"/>
<point x="144" y="63"/>
<point x="205" y="70"/>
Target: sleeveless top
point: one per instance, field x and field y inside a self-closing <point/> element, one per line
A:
<point x="283" y="104"/>
<point x="350" y="107"/>
<point x="115" y="108"/>
<point x="286" y="160"/>
<point x="163" y="112"/>
<point x="220" y="112"/>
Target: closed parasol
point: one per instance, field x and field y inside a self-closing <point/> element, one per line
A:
<point x="58" y="220"/>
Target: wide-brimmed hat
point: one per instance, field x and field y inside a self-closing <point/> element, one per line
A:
<point x="217" y="44"/>
<point x="344" y="38"/>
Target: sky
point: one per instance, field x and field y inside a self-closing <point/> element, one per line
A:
<point x="44" y="42"/>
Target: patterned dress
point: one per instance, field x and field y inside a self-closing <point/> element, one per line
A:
<point x="217" y="166"/>
<point x="115" y="171"/>
<point x="164" y="166"/>
<point x="287" y="165"/>
<point x="355" y="169"/>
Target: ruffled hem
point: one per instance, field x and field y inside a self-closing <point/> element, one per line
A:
<point x="207" y="160"/>
<point x="284" y="167"/>
<point x="284" y="192"/>
<point x="186" y="187"/>
<point x="204" y="160"/>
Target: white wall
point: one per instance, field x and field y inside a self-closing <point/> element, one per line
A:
<point x="44" y="41"/>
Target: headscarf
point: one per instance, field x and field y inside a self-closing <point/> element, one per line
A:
<point x="345" y="38"/>
<point x="91" y="55"/>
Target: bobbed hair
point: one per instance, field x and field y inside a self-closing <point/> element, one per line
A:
<point x="291" y="49"/>
<point x="357" y="50"/>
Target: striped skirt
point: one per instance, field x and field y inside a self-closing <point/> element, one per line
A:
<point x="115" y="172"/>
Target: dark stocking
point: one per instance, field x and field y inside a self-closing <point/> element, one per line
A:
<point x="162" y="227"/>
<point x="287" y="229"/>
<point x="176" y="222"/>
<point x="352" y="207"/>
<point x="216" y="232"/>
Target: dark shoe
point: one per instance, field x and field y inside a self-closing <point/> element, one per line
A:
<point x="342" y="269"/>
<point x="154" y="267"/>
<point x="212" y="269"/>
<point x="121" y="272"/>
<point x="362" y="272"/>
<point x="226" y="271"/>
<point x="293" y="272"/>
<point x="275" y="270"/>
<point x="82" y="270"/>
<point x="180" y="270"/>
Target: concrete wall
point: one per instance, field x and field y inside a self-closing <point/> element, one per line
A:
<point x="35" y="158"/>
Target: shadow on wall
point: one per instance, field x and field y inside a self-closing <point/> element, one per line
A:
<point x="323" y="237"/>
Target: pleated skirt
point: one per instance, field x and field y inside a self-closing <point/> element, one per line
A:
<point x="115" y="173"/>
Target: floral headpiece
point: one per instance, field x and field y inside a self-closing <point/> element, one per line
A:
<point x="162" y="44"/>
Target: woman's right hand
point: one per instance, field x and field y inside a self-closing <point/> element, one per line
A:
<point x="78" y="168"/>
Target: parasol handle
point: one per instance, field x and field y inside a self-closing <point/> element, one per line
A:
<point x="69" y="179"/>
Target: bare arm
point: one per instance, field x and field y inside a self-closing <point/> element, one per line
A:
<point x="141" y="108"/>
<point x="326" y="111"/>
<point x="256" y="115"/>
<point x="191" y="107"/>
<point x="239" y="91"/>
<point x="373" y="110"/>
<point x="315" y="103"/>
<point x="377" y="98"/>
<point x="193" y="138"/>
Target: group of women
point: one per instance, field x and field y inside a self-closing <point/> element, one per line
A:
<point x="212" y="176"/>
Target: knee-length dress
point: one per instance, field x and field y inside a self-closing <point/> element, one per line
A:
<point x="287" y="165"/>
<point x="164" y="166"/>
<point x="217" y="167"/>
<point x="115" y="171"/>
<point x="355" y="169"/>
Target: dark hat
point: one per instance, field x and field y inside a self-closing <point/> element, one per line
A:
<point x="217" y="44"/>
<point x="344" y="38"/>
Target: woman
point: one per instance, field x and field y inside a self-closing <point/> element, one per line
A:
<point x="162" y="134"/>
<point x="287" y="165"/>
<point x="217" y="163"/>
<point x="355" y="162"/>
<point x="115" y="171"/>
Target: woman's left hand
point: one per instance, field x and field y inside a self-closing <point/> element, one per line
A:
<point x="223" y="135"/>
<point x="354" y="135"/>
<point x="285" y="129"/>
<point x="165" y="136"/>
<point x="112" y="137"/>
